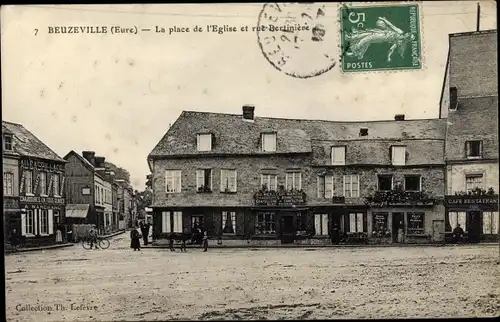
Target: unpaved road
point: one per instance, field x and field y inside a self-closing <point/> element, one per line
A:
<point x="155" y="284"/>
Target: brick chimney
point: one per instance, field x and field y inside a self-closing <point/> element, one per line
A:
<point x="248" y="112"/>
<point x="89" y="156"/>
<point x="99" y="162"/>
<point x="399" y="117"/>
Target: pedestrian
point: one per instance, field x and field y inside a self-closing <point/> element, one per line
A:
<point x="401" y="236"/>
<point x="205" y="241"/>
<point x="93" y="237"/>
<point x="14" y="239"/>
<point x="335" y="234"/>
<point x="145" y="233"/>
<point x="59" y="235"/>
<point x="135" y="239"/>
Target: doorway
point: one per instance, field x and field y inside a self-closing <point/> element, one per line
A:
<point x="474" y="226"/>
<point x="397" y="224"/>
<point x="288" y="229"/>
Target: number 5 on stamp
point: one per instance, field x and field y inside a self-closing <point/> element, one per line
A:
<point x="378" y="38"/>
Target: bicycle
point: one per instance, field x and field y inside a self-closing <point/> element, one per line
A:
<point x="101" y="242"/>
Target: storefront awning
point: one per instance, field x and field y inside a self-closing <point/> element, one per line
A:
<point x="77" y="210"/>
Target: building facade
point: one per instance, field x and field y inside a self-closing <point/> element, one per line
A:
<point x="33" y="187"/>
<point x="89" y="191"/>
<point x="247" y="179"/>
<point x="470" y="104"/>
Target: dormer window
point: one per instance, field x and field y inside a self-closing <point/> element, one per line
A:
<point x="204" y="142"/>
<point x="268" y="142"/>
<point x="7" y="142"/>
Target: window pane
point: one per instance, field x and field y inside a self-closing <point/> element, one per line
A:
<point x="494" y="222"/>
<point x="359" y="222"/>
<point x="453" y="219"/>
<point x="384" y="182"/>
<point x="321" y="186"/>
<point x="204" y="142"/>
<point x="338" y="155"/>
<point x="328" y="186"/>
<point x="352" y="222"/>
<point x="462" y="220"/>
<point x="487" y="223"/>
<point x="324" y="224"/>
<point x="317" y="224"/>
<point x="398" y="155"/>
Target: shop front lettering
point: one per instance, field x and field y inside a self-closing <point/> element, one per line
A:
<point x="471" y="201"/>
<point x="41" y="200"/>
<point x="34" y="164"/>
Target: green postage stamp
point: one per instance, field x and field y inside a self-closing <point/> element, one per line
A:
<point x="377" y="38"/>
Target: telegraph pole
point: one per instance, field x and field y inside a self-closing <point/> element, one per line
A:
<point x="478" y="17"/>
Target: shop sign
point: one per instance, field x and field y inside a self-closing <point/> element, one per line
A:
<point x="473" y="202"/>
<point x="42" y="200"/>
<point x="279" y="198"/>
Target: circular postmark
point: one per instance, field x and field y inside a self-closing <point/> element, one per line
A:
<point x="295" y="39"/>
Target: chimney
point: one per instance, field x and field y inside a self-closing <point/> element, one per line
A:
<point x="99" y="162"/>
<point x="399" y="117"/>
<point x="248" y="112"/>
<point x="453" y="98"/>
<point x="89" y="156"/>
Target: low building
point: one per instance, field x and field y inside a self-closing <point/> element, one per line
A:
<point x="470" y="105"/>
<point x="268" y="180"/>
<point x="37" y="206"/>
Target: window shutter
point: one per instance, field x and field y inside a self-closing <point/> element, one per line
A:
<point x="494" y="222"/>
<point x="324" y="224"/>
<point x="317" y="224"/>
<point x="21" y="182"/>
<point x="222" y="180"/>
<point x="200" y="178"/>
<point x="318" y="184"/>
<point x="51" y="221"/>
<point x="165" y="222"/>
<point x="300" y="181"/>
<point x="468" y="150"/>
<point x="235" y="181"/>
<point x="328" y="186"/>
<point x="352" y="222"/>
<point x="35" y="220"/>
<point x="51" y="183"/>
<point x="23" y="224"/>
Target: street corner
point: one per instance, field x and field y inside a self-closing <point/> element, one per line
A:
<point x="380" y="38"/>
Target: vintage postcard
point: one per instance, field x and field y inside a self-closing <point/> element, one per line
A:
<point x="250" y="161"/>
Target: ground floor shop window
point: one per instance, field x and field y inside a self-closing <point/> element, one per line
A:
<point x="415" y="221"/>
<point x="321" y="224"/>
<point x="44" y="222"/>
<point x="300" y="222"/>
<point x="172" y="222"/>
<point x="28" y="223"/>
<point x="490" y="223"/>
<point x="380" y="223"/>
<point x="197" y="222"/>
<point x="356" y="222"/>
<point x="454" y="218"/>
<point x="265" y="223"/>
<point x="228" y="222"/>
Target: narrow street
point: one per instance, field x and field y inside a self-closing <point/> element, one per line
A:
<point x="75" y="284"/>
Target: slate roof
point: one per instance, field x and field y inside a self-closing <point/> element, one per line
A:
<point x="235" y="136"/>
<point x="28" y="145"/>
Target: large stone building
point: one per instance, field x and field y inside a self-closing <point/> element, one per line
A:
<point x="268" y="180"/>
<point x="33" y="174"/>
<point x="470" y="104"/>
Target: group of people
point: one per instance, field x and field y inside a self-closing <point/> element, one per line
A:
<point x="140" y="231"/>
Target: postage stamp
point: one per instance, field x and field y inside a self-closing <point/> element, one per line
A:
<point x="295" y="38"/>
<point x="377" y="38"/>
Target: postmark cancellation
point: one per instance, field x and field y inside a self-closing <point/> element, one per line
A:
<point x="380" y="38"/>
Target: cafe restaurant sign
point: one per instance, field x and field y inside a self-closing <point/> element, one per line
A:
<point x="483" y="202"/>
<point x="279" y="198"/>
<point x="41" y="200"/>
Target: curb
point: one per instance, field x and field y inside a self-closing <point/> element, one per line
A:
<point x="317" y="246"/>
<point x="113" y="234"/>
<point x="32" y="249"/>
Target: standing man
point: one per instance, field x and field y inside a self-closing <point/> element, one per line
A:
<point x="205" y="241"/>
<point x="145" y="232"/>
<point x="14" y="239"/>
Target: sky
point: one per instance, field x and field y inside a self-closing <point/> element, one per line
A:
<point x="118" y="94"/>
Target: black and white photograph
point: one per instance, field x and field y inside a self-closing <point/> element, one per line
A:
<point x="250" y="161"/>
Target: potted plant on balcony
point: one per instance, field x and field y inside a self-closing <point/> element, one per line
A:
<point x="204" y="188"/>
<point x="396" y="197"/>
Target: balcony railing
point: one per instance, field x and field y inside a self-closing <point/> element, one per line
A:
<point x="281" y="197"/>
<point x="399" y="197"/>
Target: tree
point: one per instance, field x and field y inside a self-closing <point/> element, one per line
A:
<point x="120" y="173"/>
<point x="144" y="198"/>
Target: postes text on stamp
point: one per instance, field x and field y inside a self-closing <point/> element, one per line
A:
<point x="296" y="39"/>
<point x="377" y="38"/>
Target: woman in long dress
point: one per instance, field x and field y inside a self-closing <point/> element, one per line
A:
<point x="135" y="239"/>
